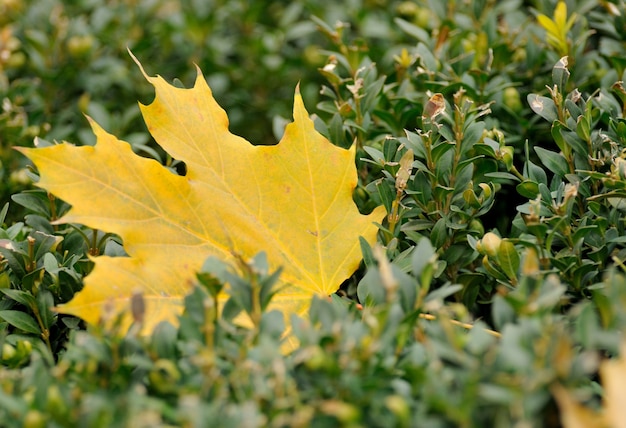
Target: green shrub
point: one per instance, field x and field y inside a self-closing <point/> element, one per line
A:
<point x="384" y="365"/>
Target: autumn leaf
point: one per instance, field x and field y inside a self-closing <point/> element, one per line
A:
<point x="613" y="377"/>
<point x="292" y="200"/>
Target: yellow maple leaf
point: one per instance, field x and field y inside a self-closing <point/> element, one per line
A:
<point x="292" y="200"/>
<point x="613" y="376"/>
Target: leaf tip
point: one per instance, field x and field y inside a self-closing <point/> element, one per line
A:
<point x="37" y="142"/>
<point x="92" y="123"/>
<point x="198" y="70"/>
<point x="298" y="103"/>
<point x="138" y="63"/>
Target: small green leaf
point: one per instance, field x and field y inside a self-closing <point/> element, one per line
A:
<point x="439" y="233"/>
<point x="440" y="294"/>
<point x="368" y="255"/>
<point x="543" y="106"/>
<point x="376" y="155"/>
<point x="572" y="139"/>
<point x="532" y="171"/>
<point x="20" y="320"/>
<point x="273" y="324"/>
<point x="555" y="130"/>
<point x="20" y="296"/>
<point x="164" y="340"/>
<point x="428" y="60"/>
<point x="407" y="288"/>
<point x="370" y="290"/>
<point x="470" y="198"/>
<point x="487" y="149"/>
<point x="422" y="256"/>
<point x="587" y="325"/>
<point x="441" y="149"/>
<point x="3" y="213"/>
<point x="508" y="259"/>
<point x="5" y="281"/>
<point x="336" y="131"/>
<point x="45" y="301"/>
<point x="387" y="195"/>
<point x="501" y="176"/>
<point x="553" y="161"/>
<point x="231" y="309"/>
<point x="492" y="270"/>
<point x="34" y="200"/>
<point x="50" y="264"/>
<point x="441" y="192"/>
<point x="560" y="73"/>
<point x="45" y="243"/>
<point x="269" y="288"/>
<point x="545" y="192"/>
<point x="583" y="231"/>
<point x="551" y="293"/>
<point x="501" y="312"/>
<point x="412" y="30"/>
<point x="472" y="135"/>
<point x="528" y="189"/>
<point x="583" y="128"/>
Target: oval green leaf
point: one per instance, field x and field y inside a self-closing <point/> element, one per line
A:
<point x="20" y="320"/>
<point x="508" y="259"/>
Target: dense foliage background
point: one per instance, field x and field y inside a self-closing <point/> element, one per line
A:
<point x="499" y="274"/>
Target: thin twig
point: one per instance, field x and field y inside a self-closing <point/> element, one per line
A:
<point x="465" y="325"/>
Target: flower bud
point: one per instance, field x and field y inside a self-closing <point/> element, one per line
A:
<point x="477" y="226"/>
<point x="8" y="352"/>
<point x="489" y="244"/>
<point x="399" y="407"/>
<point x="511" y="99"/>
<point x="34" y="419"/>
<point x="80" y="46"/>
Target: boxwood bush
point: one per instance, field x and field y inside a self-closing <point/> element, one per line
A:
<point x="493" y="132"/>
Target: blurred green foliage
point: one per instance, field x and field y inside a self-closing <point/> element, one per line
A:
<point x="61" y="60"/>
<point x="384" y="365"/>
<point x="492" y="131"/>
